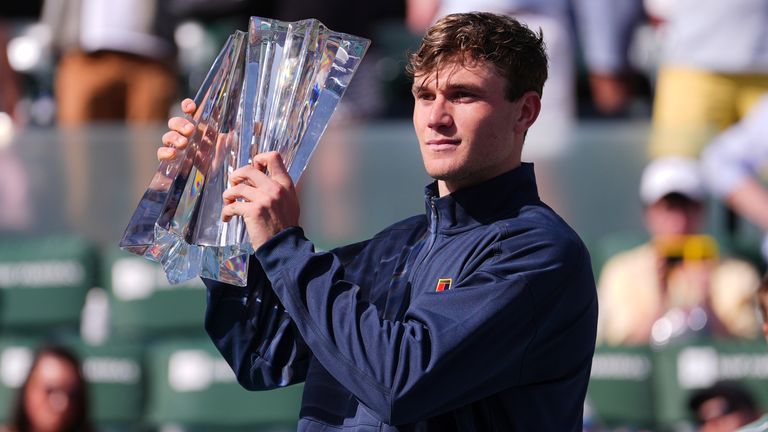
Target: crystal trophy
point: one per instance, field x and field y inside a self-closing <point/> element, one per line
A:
<point x="271" y="89"/>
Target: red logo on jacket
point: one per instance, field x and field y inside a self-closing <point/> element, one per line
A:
<point x="443" y="284"/>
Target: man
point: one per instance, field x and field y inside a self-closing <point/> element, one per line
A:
<point x="713" y="69"/>
<point x="117" y="60"/>
<point x="723" y="407"/>
<point x="761" y="424"/>
<point x="677" y="272"/>
<point x="734" y="164"/>
<point x="478" y="316"/>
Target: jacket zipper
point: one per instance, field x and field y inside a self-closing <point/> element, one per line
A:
<point x="432" y="237"/>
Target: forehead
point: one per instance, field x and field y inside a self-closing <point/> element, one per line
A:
<point x="453" y="72"/>
<point x="54" y="370"/>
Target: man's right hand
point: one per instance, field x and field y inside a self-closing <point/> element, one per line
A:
<point x="180" y="131"/>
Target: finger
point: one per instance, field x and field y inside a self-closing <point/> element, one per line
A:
<point x="276" y="168"/>
<point x="237" y="208"/>
<point x="188" y="106"/>
<point x="174" y="139"/>
<point x="181" y="125"/>
<point x="249" y="175"/>
<point x="228" y="212"/>
<point x="166" y="153"/>
<point x="240" y="191"/>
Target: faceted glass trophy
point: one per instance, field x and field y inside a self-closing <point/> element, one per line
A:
<point x="271" y="89"/>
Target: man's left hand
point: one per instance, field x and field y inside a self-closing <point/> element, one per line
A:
<point x="264" y="195"/>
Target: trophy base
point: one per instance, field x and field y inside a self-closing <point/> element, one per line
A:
<point x="183" y="261"/>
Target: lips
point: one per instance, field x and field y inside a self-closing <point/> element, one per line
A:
<point x="443" y="141"/>
<point x="442" y="144"/>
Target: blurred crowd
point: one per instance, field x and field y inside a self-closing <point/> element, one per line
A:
<point x="695" y="70"/>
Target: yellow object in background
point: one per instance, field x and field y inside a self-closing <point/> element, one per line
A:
<point x="693" y="105"/>
<point x="687" y="248"/>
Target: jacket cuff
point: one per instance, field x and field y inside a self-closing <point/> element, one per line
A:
<point x="225" y="289"/>
<point x="282" y="250"/>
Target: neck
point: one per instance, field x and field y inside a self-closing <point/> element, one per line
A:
<point x="447" y="187"/>
<point x="443" y="189"/>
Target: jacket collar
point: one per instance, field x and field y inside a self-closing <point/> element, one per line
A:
<point x="482" y="203"/>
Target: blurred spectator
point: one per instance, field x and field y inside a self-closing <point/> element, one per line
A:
<point x="762" y="303"/>
<point x="724" y="407"/>
<point x="117" y="59"/>
<point x="53" y="398"/>
<point x="10" y="85"/>
<point x="15" y="208"/>
<point x="606" y="30"/>
<point x="714" y="68"/>
<point x="732" y="165"/>
<point x="9" y="82"/>
<point x="761" y="424"/>
<point x="675" y="283"/>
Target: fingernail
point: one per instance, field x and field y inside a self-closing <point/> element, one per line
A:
<point x="188" y="128"/>
<point x="181" y="140"/>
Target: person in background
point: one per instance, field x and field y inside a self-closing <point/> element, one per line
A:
<point x="118" y="59"/>
<point x="761" y="424"/>
<point x="678" y="270"/>
<point x="733" y="164"/>
<point x="116" y="65"/>
<point x="714" y="68"/>
<point x="723" y="407"/>
<point x="10" y="88"/>
<point x="54" y="396"/>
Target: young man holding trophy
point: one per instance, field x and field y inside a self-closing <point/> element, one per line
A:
<point x="478" y="316"/>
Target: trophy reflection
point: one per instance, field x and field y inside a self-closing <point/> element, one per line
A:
<point x="271" y="89"/>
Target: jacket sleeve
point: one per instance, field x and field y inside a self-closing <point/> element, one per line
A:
<point x="254" y="333"/>
<point x="525" y="315"/>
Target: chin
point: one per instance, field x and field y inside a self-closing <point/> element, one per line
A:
<point x="442" y="171"/>
<point x="449" y="177"/>
<point x="440" y="175"/>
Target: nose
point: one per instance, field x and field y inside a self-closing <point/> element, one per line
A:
<point x="60" y="401"/>
<point x="440" y="115"/>
<point x="677" y="222"/>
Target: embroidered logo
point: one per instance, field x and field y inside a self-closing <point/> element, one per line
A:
<point x="443" y="284"/>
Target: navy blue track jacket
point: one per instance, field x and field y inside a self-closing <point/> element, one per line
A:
<point x="480" y="316"/>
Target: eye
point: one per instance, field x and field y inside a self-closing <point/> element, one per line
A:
<point x="462" y="96"/>
<point x="423" y="95"/>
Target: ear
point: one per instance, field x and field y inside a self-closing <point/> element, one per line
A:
<point x="530" y="107"/>
<point x="765" y="330"/>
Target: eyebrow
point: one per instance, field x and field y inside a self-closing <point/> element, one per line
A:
<point x="452" y="87"/>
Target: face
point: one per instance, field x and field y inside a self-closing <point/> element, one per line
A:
<point x="468" y="130"/>
<point x="716" y="421"/>
<point x="762" y="297"/>
<point x="52" y="395"/>
<point x="671" y="218"/>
